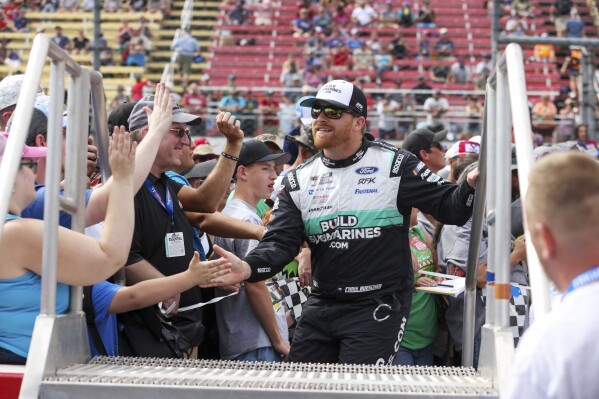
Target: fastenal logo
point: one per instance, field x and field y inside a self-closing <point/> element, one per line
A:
<point x="263" y="270"/>
<point x="367" y="170"/>
<point x="366" y="191"/>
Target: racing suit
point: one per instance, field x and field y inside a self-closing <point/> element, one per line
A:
<point x="354" y="214"/>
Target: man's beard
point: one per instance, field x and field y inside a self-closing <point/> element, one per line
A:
<point x="339" y="135"/>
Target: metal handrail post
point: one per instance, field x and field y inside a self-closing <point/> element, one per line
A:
<point x="52" y="184"/>
<point x="502" y="198"/>
<point x="75" y="163"/>
<point x="100" y="126"/>
<point x="20" y="126"/>
<point x="490" y="156"/>
<point x="523" y="132"/>
<point x="476" y="233"/>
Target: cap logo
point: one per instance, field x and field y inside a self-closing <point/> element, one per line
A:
<point x="359" y="107"/>
<point x="330" y="88"/>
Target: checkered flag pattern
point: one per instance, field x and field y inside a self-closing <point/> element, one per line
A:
<point x="293" y="295"/>
<point x="519" y="306"/>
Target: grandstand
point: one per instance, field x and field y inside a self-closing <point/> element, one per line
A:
<point x="255" y="53"/>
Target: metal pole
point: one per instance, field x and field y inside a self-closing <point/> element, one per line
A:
<point x="476" y="234"/>
<point x="522" y="133"/>
<point x="20" y="127"/>
<point x="556" y="41"/>
<point x="487" y="142"/>
<point x="51" y="199"/>
<point x="495" y="29"/>
<point x="97" y="21"/>
<point x="75" y="169"/>
<point x="588" y="96"/>
<point x="502" y="199"/>
<point x="99" y="120"/>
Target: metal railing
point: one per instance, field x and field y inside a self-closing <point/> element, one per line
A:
<point x="48" y="352"/>
<point x="506" y="110"/>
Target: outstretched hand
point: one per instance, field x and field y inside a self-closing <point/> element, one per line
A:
<point x="121" y="154"/>
<point x="238" y="270"/>
<point x="208" y="272"/>
<point x="229" y="127"/>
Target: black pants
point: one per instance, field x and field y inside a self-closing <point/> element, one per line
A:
<point x="8" y="357"/>
<point x="368" y="331"/>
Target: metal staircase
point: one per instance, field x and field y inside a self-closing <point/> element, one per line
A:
<point x="59" y="366"/>
<point x="173" y="378"/>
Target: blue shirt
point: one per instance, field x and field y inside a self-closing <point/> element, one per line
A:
<point x="35" y="210"/>
<point x="106" y="323"/>
<point x="186" y="45"/>
<point x="574" y="27"/>
<point x="19" y="306"/>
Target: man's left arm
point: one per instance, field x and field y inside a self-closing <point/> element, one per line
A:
<point x="446" y="202"/>
<point x="207" y="197"/>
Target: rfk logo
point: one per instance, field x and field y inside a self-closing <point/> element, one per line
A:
<point x="367" y="180"/>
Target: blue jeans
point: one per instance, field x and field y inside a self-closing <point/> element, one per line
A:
<point x="419" y="357"/>
<point x="266" y="354"/>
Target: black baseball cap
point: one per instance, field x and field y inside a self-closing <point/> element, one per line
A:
<point x="340" y="94"/>
<point x="422" y="139"/>
<point x="257" y="151"/>
<point x="120" y="116"/>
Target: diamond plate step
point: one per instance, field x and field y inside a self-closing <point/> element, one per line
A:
<point x="173" y="378"/>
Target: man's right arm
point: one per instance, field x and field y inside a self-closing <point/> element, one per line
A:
<point x="284" y="235"/>
<point x="280" y="244"/>
<point x="159" y="122"/>
<point x="143" y="270"/>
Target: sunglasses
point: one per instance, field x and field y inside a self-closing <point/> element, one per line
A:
<point x="440" y="146"/>
<point x="31" y="165"/>
<point x="180" y="132"/>
<point x="330" y="113"/>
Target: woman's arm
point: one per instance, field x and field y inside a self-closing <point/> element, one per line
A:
<point x="150" y="292"/>
<point x="81" y="259"/>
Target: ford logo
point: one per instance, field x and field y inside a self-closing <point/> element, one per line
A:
<point x="367" y="170"/>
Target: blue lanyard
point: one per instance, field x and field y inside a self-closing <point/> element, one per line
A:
<point x="169" y="200"/>
<point x="590" y="276"/>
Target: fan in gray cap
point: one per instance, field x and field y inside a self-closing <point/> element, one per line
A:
<point x="139" y="118"/>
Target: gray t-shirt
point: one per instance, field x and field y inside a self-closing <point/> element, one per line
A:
<point x="239" y="330"/>
<point x="455" y="241"/>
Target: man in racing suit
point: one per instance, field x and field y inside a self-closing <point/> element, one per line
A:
<point x="352" y="204"/>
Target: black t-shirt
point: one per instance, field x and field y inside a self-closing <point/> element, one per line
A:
<point x="152" y="223"/>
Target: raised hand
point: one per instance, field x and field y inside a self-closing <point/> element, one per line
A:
<point x="208" y="272"/>
<point x="160" y="118"/>
<point x="121" y="154"/>
<point x="229" y="127"/>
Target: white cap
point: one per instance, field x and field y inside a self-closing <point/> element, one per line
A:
<point x="461" y="148"/>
